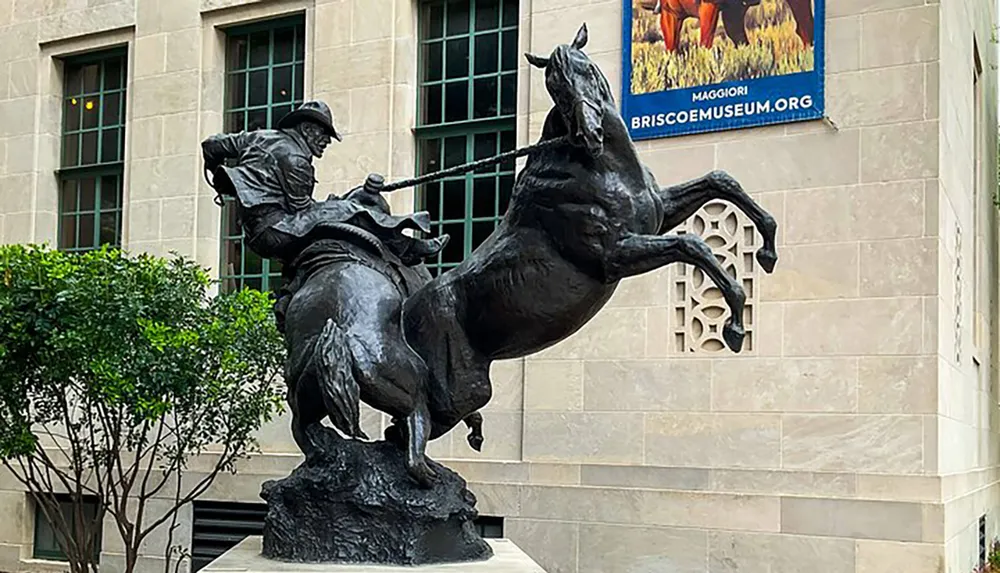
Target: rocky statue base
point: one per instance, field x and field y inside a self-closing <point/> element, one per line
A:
<point x="356" y="504"/>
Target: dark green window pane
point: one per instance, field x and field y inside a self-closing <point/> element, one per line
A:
<point x="113" y="74"/>
<point x="91" y="112"/>
<point x="485" y="146"/>
<point x="453" y="204"/>
<point x="281" y="84"/>
<point x="260" y="47"/>
<point x="454" y="251"/>
<point x="457" y="58"/>
<point x="70" y="150"/>
<point x="487" y="53"/>
<point x="74" y="80"/>
<point x="430" y="155"/>
<point x="236" y="90"/>
<point x="508" y="53"/>
<point x="87" y="194"/>
<point x="258" y="88"/>
<point x="256" y="283"/>
<point x="484" y="196"/>
<point x="485" y="97"/>
<point x="112" y="109"/>
<point x="72" y="117"/>
<point x="284" y="45"/>
<point x="510" y="12"/>
<point x="67" y="197"/>
<point x="487" y="14"/>
<point x="508" y="94"/>
<point x="456" y="101"/>
<point x="46" y="544"/>
<point x="432" y="104"/>
<point x="236" y="121"/>
<point x="236" y="57"/>
<point x="454" y="151"/>
<point x="91" y="78"/>
<point x="109" y="145"/>
<point x="252" y="264"/>
<point x="435" y="21"/>
<point x="434" y="56"/>
<point x="432" y="197"/>
<point x="88" y="144"/>
<point x="109" y="229"/>
<point x="85" y="230"/>
<point x="458" y="18"/>
<point x="67" y="232"/>
<point x="110" y="193"/>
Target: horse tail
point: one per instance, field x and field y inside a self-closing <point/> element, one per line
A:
<point x="337" y="383"/>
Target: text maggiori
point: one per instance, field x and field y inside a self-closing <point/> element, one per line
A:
<point x="726" y="111"/>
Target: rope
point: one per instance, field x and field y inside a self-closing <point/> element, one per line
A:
<point x="460" y="169"/>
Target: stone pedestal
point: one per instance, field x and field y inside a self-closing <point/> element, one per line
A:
<point x="246" y="558"/>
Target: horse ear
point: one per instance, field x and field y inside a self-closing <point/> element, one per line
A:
<point x="537" y="61"/>
<point x="581" y="37"/>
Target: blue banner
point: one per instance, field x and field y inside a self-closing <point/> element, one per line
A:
<point x="692" y="66"/>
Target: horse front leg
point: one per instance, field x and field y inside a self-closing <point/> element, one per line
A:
<point x="638" y="254"/>
<point x="683" y="200"/>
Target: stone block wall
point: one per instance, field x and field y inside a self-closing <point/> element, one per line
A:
<point x="855" y="434"/>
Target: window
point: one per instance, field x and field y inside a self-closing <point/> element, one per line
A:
<point x="489" y="527"/>
<point x="467" y="103"/>
<point x="265" y="67"/>
<point x="220" y="526"/>
<point x="93" y="143"/>
<point x="980" y="207"/>
<point x="46" y="540"/>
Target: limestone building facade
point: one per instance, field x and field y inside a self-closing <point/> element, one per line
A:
<point x="856" y="433"/>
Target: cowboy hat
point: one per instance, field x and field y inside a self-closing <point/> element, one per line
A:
<point x="314" y="111"/>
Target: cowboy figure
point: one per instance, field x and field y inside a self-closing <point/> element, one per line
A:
<point x="273" y="180"/>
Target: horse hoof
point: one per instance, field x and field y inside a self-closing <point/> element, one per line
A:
<point x="767" y="259"/>
<point x="733" y="335"/>
<point x="475" y="441"/>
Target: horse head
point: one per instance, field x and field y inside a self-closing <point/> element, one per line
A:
<point x="580" y="91"/>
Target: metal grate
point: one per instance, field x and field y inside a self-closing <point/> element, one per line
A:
<point x="220" y="526"/>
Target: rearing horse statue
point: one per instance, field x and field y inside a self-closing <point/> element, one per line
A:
<point x="583" y="216"/>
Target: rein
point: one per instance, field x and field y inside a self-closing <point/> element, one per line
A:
<point x="457" y="170"/>
<point x="467" y="167"/>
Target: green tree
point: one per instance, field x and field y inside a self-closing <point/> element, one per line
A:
<point x="114" y="372"/>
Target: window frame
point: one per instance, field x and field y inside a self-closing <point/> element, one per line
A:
<point x="99" y="170"/>
<point x="499" y="124"/>
<point x="270" y="271"/>
<point x="66" y="506"/>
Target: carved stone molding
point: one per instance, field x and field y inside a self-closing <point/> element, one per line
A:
<point x="700" y="312"/>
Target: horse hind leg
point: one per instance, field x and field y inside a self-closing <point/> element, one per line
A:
<point x="683" y="200"/>
<point x="638" y="254"/>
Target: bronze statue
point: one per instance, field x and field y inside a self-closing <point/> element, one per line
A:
<point x="364" y="321"/>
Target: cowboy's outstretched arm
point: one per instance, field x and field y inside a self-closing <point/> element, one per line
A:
<point x="220" y="147"/>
